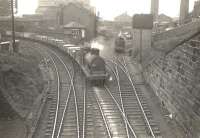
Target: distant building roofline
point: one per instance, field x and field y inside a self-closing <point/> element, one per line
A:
<point x="74" y="25"/>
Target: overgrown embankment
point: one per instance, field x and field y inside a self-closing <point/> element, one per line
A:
<point x="20" y="82"/>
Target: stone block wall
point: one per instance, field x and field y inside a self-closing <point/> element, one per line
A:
<point x="168" y="40"/>
<point x="175" y="78"/>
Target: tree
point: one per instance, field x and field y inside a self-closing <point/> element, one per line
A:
<point x="4" y="8"/>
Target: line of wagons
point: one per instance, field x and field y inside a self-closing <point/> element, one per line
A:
<point x="89" y="59"/>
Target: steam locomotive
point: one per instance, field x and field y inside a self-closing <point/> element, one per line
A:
<point x="91" y="63"/>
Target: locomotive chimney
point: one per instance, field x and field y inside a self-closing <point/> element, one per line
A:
<point x="95" y="51"/>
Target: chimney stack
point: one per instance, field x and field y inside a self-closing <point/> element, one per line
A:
<point x="155" y="9"/>
<point x="184" y="10"/>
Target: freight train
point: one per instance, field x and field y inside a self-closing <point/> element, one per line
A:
<point x="88" y="58"/>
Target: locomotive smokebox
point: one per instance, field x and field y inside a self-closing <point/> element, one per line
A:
<point x="94" y="51"/>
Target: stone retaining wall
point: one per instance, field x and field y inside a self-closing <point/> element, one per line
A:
<point x="168" y="40"/>
<point x="175" y="79"/>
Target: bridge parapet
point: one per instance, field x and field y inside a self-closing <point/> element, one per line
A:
<point x="167" y="41"/>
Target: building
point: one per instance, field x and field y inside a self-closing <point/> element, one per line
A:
<point x="4" y="8"/>
<point x="58" y="13"/>
<point x="85" y="2"/>
<point x="50" y="15"/>
<point x="51" y="8"/>
<point x="164" y="18"/>
<point x="46" y="3"/>
<point x="124" y="17"/>
<point x="57" y="16"/>
<point x="184" y="11"/>
<point x="196" y="10"/>
<point x="155" y="9"/>
<point x="75" y="32"/>
<point x="27" y="23"/>
<point x="83" y="15"/>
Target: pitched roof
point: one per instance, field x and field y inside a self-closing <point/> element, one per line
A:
<point x="123" y="17"/>
<point x="74" y="25"/>
<point x="163" y="17"/>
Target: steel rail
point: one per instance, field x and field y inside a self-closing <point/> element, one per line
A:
<point x="48" y="82"/>
<point x="123" y="114"/>
<point x="137" y="97"/>
<point x="104" y="118"/>
<point x="58" y="98"/>
<point x="58" y="92"/>
<point x="64" y="111"/>
<point x="84" y="110"/>
<point x="121" y="100"/>
<point x="73" y="88"/>
<point x="68" y="97"/>
<point x="122" y="66"/>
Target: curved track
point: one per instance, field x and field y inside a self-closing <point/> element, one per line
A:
<point x="74" y="110"/>
<point x="78" y="109"/>
<point x="63" y="98"/>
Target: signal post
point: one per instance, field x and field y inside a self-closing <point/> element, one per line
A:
<point x="142" y="35"/>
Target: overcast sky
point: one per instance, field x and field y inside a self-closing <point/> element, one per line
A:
<point x="111" y="8"/>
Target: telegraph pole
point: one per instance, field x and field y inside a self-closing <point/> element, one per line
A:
<point x="13" y="24"/>
<point x="141" y="46"/>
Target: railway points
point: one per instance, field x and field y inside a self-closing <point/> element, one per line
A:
<point x="134" y="77"/>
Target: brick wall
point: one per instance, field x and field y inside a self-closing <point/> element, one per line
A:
<point x="175" y="79"/>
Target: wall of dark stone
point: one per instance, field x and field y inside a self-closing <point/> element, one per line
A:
<point x="175" y="78"/>
<point x="168" y="40"/>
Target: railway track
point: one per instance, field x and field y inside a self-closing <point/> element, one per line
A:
<point x="108" y="121"/>
<point x="73" y="117"/>
<point x="78" y="109"/>
<point x="87" y="115"/>
<point x="59" y="90"/>
<point x="74" y="110"/>
<point x="59" y="95"/>
<point x="131" y="100"/>
<point x="63" y="112"/>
